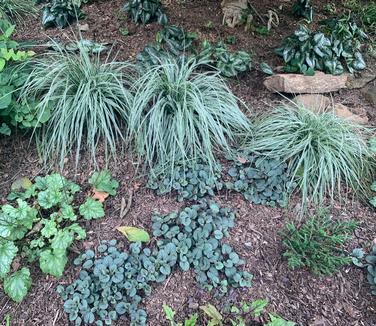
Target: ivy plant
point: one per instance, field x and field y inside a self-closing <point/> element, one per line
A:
<point x="230" y="64"/>
<point x="190" y="182"/>
<point x="40" y="224"/>
<point x="330" y="51"/>
<point x="261" y="180"/>
<point x="145" y="11"/>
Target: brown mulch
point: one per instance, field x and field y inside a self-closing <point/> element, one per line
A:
<point x="341" y="299"/>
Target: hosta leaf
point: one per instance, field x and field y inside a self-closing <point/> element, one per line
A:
<point x="134" y="234"/>
<point x="53" y="262"/>
<point x="92" y="209"/>
<point x="7" y="252"/>
<point x="18" y="284"/>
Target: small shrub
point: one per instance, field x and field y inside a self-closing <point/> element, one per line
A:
<point x="144" y="11"/>
<point x="318" y="244"/>
<point x="179" y="116"/>
<point x="41" y="227"/>
<point x="303" y="8"/>
<point x="88" y="100"/>
<point x="15" y="10"/>
<point x="324" y="152"/>
<point x="191" y="182"/>
<point x="176" y="39"/>
<point x="261" y="180"/>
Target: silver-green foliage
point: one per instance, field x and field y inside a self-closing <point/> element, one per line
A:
<point x="178" y="115"/>
<point x="197" y="232"/>
<point x="367" y="261"/>
<point x="261" y="179"/>
<point x="191" y="182"/>
<point x="324" y="152"/>
<point x="14" y="10"/>
<point x="89" y="101"/>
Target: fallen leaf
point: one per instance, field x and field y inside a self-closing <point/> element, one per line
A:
<point x="21" y="183"/>
<point x="242" y="160"/>
<point x="134" y="234"/>
<point x="100" y="195"/>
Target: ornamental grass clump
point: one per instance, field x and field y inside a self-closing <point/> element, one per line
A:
<point x="88" y="99"/>
<point x="325" y="153"/>
<point x="14" y="10"/>
<point x="179" y="115"/>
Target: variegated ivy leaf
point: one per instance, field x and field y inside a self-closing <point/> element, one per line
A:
<point x="7" y="252"/>
<point x="92" y="209"/>
<point x="18" y="284"/>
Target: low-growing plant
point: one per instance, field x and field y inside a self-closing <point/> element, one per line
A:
<point x="230" y="64"/>
<point x="170" y="314"/>
<point x="306" y="51"/>
<point x="196" y="232"/>
<point x="153" y="54"/>
<point x="324" y="152"/>
<point x="61" y="13"/>
<point x="90" y="101"/>
<point x="114" y="283"/>
<point x="303" y="8"/>
<point x="362" y="260"/>
<point x="368" y="17"/>
<point x="40" y="227"/>
<point x="179" y="116"/>
<point x="176" y="39"/>
<point x="318" y="243"/>
<point x="190" y="182"/>
<point x="372" y="148"/>
<point x="262" y="180"/>
<point x="14" y="10"/>
<point x="145" y="11"/>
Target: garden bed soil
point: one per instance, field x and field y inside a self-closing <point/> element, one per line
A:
<point x="341" y="299"/>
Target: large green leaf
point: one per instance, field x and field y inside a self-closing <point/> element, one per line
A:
<point x="18" y="284"/>
<point x="7" y="252"/>
<point x="92" y="209"/>
<point x="134" y="234"/>
<point x="53" y="262"/>
<point x="102" y="181"/>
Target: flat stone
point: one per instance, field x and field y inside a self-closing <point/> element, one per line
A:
<point x="314" y="102"/>
<point x="360" y="82"/>
<point x="344" y="112"/>
<point x="370" y="94"/>
<point x="300" y="84"/>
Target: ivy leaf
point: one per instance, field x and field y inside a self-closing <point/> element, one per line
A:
<point x="7" y="252"/>
<point x="53" y="262"/>
<point x="18" y="284"/>
<point x="134" y="234"/>
<point x="102" y="181"/>
<point x="92" y="209"/>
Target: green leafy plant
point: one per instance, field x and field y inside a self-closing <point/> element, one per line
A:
<point x="303" y="8"/>
<point x="262" y="180"/>
<point x="61" y="13"/>
<point x="368" y="17"/>
<point x="179" y="116"/>
<point x="170" y="314"/>
<point x="14" y="10"/>
<point x="153" y="54"/>
<point x="196" y="232"/>
<point x="229" y="64"/>
<point x="89" y="99"/>
<point x="13" y="110"/>
<point x="144" y="11"/>
<point x="40" y="227"/>
<point x="318" y="243"/>
<point x="191" y="182"/>
<point x="306" y="51"/>
<point x="102" y="181"/>
<point x="360" y="259"/>
<point x="176" y="39"/>
<point x="325" y="153"/>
